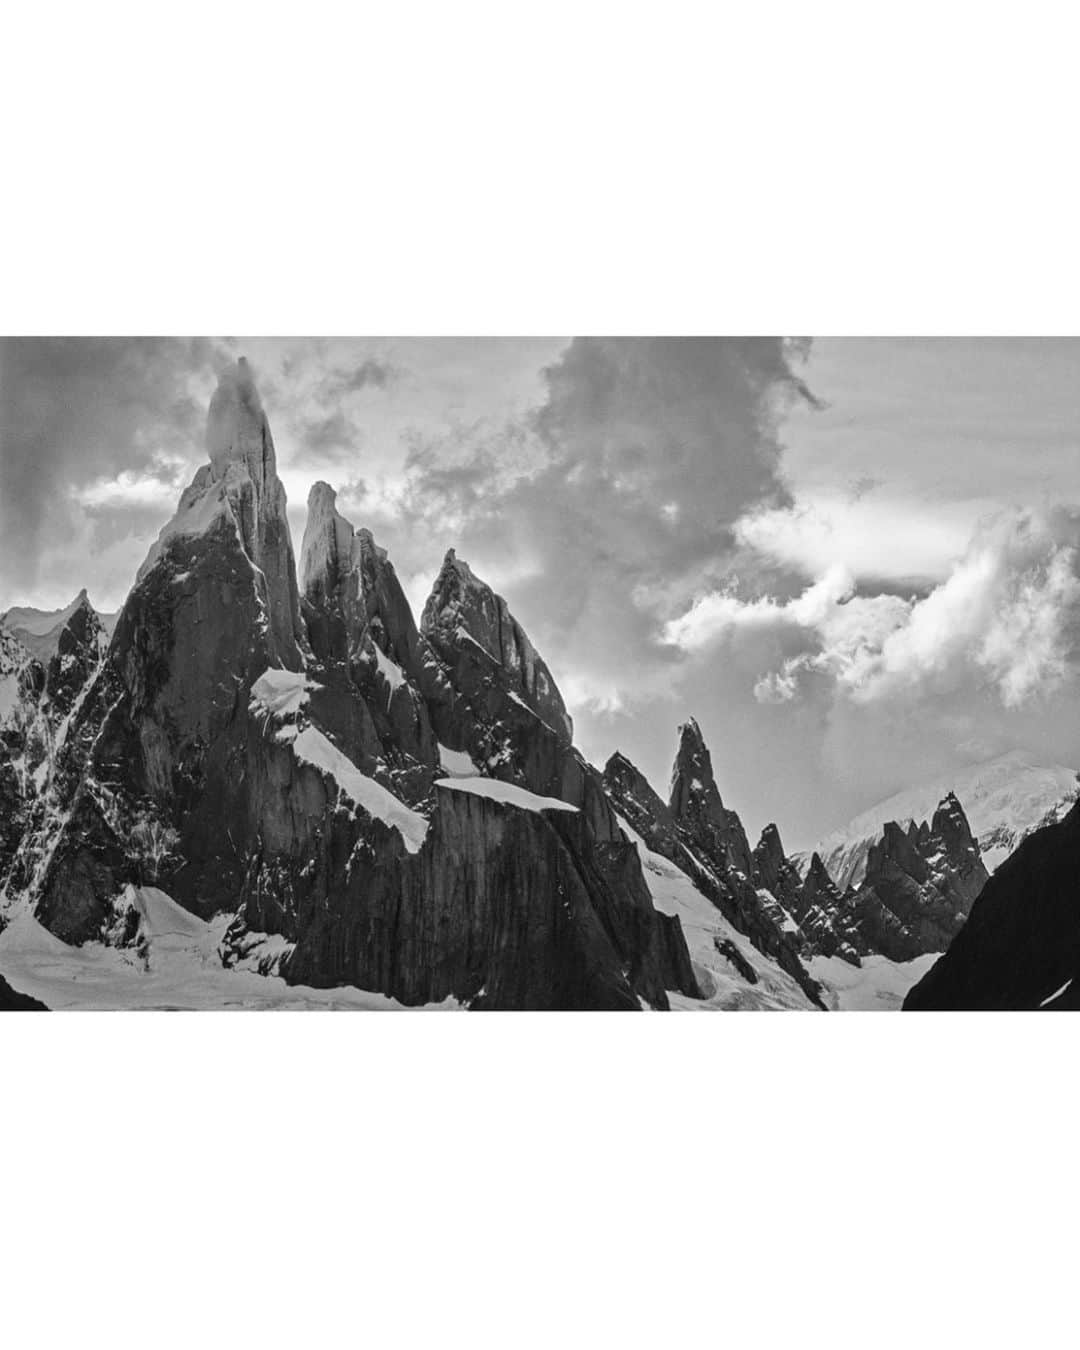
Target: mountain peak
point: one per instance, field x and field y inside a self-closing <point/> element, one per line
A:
<point x="236" y="425"/>
<point x="695" y="801"/>
<point x="692" y="772"/>
<point x="463" y="609"/>
<point x="326" y="549"/>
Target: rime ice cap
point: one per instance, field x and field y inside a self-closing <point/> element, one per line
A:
<point x="236" y="427"/>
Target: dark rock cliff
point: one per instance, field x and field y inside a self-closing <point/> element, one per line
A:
<point x="1020" y="946"/>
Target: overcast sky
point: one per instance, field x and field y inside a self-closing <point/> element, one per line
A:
<point x="853" y="560"/>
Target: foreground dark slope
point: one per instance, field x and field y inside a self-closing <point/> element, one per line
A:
<point x="282" y="756"/>
<point x="1020" y="947"/>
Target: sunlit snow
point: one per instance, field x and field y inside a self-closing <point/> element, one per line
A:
<point x="175" y="964"/>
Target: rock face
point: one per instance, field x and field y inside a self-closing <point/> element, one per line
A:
<point x="706" y="841"/>
<point x="37" y="700"/>
<point x="695" y="803"/>
<point x="809" y="908"/>
<point x="1020" y="946"/>
<point x="462" y="614"/>
<point x="401" y="808"/>
<point x="919" y="886"/>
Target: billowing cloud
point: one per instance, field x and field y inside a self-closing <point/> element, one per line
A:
<point x="875" y="535"/>
<point x="612" y="500"/>
<point x="1006" y="617"/>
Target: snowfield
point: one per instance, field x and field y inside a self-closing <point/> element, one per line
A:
<point x="175" y="964"/>
<point x="878" y="986"/>
<point x="702" y="923"/>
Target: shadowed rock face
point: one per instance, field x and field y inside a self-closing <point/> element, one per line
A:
<point x="812" y="903"/>
<point x="78" y="652"/>
<point x="501" y="908"/>
<point x="149" y="785"/>
<point x="462" y="611"/>
<point x="825" y="916"/>
<point x="365" y="639"/>
<point x="696" y="804"/>
<point x="45" y="696"/>
<point x="1020" y="946"/>
<point x="280" y="763"/>
<point x="920" y="885"/>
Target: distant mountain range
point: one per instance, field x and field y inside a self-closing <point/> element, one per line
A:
<point x="39" y="629"/>
<point x="1005" y="799"/>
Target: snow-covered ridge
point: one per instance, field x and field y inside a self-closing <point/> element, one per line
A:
<point x="203" y="504"/>
<point x="1005" y="799"/>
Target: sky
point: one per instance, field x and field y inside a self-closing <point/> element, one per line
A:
<point x="854" y="561"/>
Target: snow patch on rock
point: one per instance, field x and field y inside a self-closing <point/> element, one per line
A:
<point x="312" y="747"/>
<point x="495" y="790"/>
<point x="281" y="693"/>
<point x="456" y="763"/>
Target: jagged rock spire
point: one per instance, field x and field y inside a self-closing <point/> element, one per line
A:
<point x="639" y="805"/>
<point x="696" y="804"/>
<point x="461" y="607"/>
<point x="326" y="551"/>
<point x="692" y="772"/>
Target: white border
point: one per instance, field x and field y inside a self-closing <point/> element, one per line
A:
<point x="474" y="168"/>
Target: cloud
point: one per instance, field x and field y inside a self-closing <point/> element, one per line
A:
<point x="79" y="412"/>
<point x="1006" y="617"/>
<point x="372" y="373"/>
<point x="879" y="537"/>
<point x="613" y="498"/>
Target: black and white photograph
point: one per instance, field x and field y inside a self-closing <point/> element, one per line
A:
<point x="511" y="516"/>
<point x="704" y="673"/>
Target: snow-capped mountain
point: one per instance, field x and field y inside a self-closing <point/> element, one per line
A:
<point x="290" y="780"/>
<point x="1005" y="799"/>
